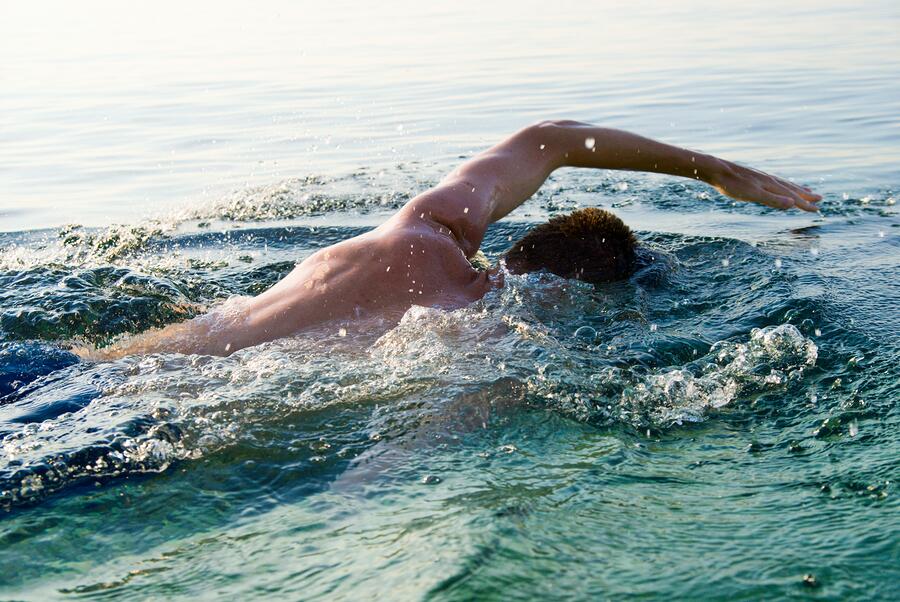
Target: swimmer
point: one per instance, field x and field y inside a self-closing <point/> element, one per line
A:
<point x="421" y="255"/>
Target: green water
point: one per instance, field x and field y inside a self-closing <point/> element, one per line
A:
<point x="723" y="425"/>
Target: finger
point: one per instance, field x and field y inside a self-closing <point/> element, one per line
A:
<point x="783" y="195"/>
<point x="809" y="206"/>
<point x="807" y="200"/>
<point x="773" y="199"/>
<point x="806" y="205"/>
<point x="812" y="197"/>
<point x="802" y="191"/>
<point x="800" y="199"/>
<point x="805" y="193"/>
<point x="801" y="203"/>
<point x="783" y="201"/>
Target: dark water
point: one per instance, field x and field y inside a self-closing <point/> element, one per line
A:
<point x="720" y="426"/>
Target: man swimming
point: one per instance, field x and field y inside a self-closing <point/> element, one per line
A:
<point x="420" y="256"/>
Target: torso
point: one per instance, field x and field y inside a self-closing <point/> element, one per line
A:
<point x="380" y="273"/>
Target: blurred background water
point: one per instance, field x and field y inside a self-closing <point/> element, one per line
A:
<point x="719" y="426"/>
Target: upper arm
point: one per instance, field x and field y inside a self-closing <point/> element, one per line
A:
<point x="488" y="186"/>
<point x="457" y="205"/>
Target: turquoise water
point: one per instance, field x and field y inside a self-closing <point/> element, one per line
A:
<point x="718" y="427"/>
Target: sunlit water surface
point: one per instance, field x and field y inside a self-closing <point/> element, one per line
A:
<point x="717" y="427"/>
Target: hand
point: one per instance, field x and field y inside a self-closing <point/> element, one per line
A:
<point x="746" y="184"/>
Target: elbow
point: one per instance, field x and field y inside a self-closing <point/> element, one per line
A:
<point x="549" y="125"/>
<point x="551" y="137"/>
<point x="541" y="130"/>
<point x="557" y="123"/>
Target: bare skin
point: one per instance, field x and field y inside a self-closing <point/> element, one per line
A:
<point x="420" y="255"/>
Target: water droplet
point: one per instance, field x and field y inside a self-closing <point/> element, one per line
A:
<point x="881" y="234"/>
<point x="814" y="252"/>
<point x="543" y="146"/>
<point x="725" y="263"/>
<point x="342" y="332"/>
<point x="818" y="332"/>
<point x="586" y="332"/>
<point x="431" y="479"/>
<point x="589" y="143"/>
<point x="509" y="449"/>
<point x="388" y="269"/>
<point x="466" y="210"/>
<point x="854" y="427"/>
<point x="653" y="328"/>
<point x="777" y="264"/>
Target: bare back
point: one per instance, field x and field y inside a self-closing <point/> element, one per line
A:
<point x="408" y="260"/>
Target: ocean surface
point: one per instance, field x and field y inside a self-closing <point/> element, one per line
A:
<point x="722" y="426"/>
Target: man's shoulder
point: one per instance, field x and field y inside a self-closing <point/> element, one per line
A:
<point x="405" y="231"/>
<point x="425" y="245"/>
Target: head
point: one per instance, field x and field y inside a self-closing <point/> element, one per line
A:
<point x="589" y="244"/>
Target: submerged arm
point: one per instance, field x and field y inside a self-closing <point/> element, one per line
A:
<point x="493" y="183"/>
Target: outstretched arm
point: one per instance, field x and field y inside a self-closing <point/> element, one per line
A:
<point x="492" y="184"/>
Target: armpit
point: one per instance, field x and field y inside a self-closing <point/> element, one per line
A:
<point x="458" y="209"/>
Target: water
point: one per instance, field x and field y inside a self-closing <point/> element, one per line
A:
<point x="717" y="427"/>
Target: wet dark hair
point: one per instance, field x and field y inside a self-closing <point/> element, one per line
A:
<point x="589" y="244"/>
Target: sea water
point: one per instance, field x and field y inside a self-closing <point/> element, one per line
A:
<point x="723" y="425"/>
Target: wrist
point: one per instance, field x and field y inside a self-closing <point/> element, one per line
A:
<point x="708" y="167"/>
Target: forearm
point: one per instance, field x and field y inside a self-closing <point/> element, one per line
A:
<point x="575" y="144"/>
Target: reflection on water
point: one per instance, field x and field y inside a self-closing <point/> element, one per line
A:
<point x="111" y="111"/>
<point x="648" y="437"/>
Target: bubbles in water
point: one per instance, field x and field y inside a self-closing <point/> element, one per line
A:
<point x="770" y="358"/>
<point x="586" y="333"/>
